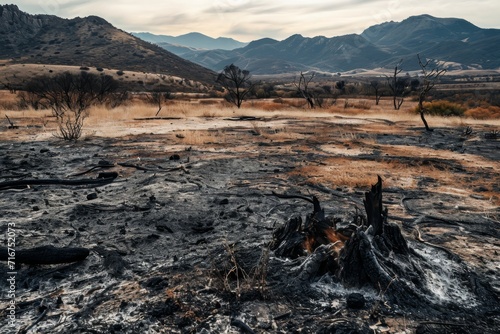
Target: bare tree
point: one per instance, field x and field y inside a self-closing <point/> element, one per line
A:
<point x="69" y="96"/>
<point x="375" y="84"/>
<point x="398" y="86"/>
<point x="159" y="98"/>
<point x="236" y="82"/>
<point x="429" y="79"/>
<point x="303" y="88"/>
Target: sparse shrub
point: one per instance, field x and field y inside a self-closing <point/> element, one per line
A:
<point x="208" y="102"/>
<point x="490" y="112"/>
<point x="365" y="105"/>
<point x="99" y="69"/>
<point x="69" y="96"/>
<point x="120" y="72"/>
<point x="442" y="108"/>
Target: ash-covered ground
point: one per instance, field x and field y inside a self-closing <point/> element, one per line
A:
<point x="179" y="241"/>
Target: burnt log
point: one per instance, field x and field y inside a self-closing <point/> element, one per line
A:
<point x="45" y="255"/>
<point x="31" y="182"/>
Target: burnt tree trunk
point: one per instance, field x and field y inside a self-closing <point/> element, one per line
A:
<point x="379" y="255"/>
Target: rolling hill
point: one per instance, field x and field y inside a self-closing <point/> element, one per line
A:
<point x="89" y="41"/>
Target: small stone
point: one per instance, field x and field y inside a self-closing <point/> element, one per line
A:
<point x="356" y="301"/>
<point x="480" y="197"/>
<point x="36" y="208"/>
<point x="175" y="157"/>
<point x="91" y="196"/>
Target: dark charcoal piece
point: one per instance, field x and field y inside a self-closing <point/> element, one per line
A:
<point x="356" y="301"/>
<point x="107" y="175"/>
<point x="91" y="196"/>
<point x="288" y="241"/>
<point x="155" y="283"/>
<point x="46" y="255"/>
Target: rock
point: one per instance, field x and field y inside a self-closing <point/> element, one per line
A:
<point x="224" y="201"/>
<point x="91" y="196"/>
<point x="107" y="175"/>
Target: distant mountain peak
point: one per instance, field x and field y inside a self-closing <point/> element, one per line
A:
<point x="451" y="40"/>
<point x="193" y="40"/>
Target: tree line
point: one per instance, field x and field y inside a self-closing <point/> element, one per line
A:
<point x="238" y="86"/>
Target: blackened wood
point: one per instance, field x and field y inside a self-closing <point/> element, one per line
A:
<point x="288" y="240"/>
<point x="107" y="175"/>
<point x="375" y="213"/>
<point x="33" y="182"/>
<point x="46" y="255"/>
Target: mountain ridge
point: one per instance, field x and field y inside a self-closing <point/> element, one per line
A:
<point x="92" y="41"/>
<point x="192" y="40"/>
<point x="89" y="41"/>
<point x="447" y="40"/>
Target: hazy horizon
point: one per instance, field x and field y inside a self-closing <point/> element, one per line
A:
<point x="246" y="20"/>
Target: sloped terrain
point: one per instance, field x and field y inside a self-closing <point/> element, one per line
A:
<point x="90" y="41"/>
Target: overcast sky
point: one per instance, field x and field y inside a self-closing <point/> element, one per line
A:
<point x="247" y="20"/>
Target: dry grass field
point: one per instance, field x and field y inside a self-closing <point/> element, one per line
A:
<point x="199" y="177"/>
<point x="341" y="135"/>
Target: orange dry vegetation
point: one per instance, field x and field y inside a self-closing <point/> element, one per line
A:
<point x="490" y="112"/>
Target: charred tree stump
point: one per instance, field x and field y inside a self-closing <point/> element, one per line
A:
<point x="46" y="255"/>
<point x="315" y="237"/>
<point x="379" y="255"/>
<point x="411" y="274"/>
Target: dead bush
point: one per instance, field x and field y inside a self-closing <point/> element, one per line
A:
<point x="490" y="112"/>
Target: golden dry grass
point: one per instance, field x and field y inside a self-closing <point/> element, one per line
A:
<point x="341" y="134"/>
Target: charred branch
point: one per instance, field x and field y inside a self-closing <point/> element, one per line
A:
<point x="46" y="255"/>
<point x="32" y="182"/>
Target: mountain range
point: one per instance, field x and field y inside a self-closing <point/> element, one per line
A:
<point x="191" y="41"/>
<point x="89" y="41"/>
<point x="92" y="41"/>
<point x="455" y="42"/>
